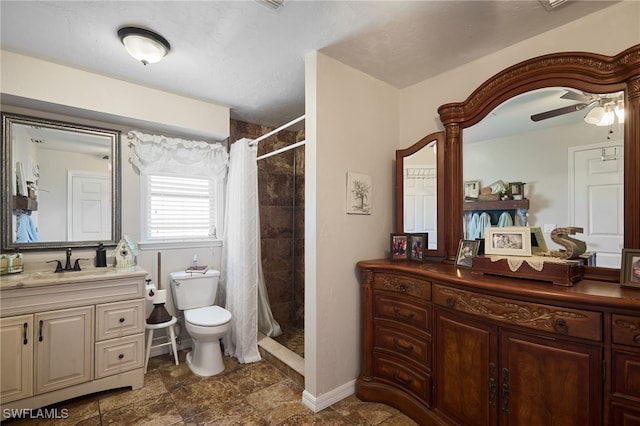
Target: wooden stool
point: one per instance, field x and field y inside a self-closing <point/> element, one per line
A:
<point x="171" y="339"/>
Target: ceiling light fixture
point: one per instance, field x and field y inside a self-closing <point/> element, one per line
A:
<point x="144" y="45"/>
<point x="606" y="115"/>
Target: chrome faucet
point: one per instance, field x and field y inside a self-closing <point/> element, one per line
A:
<point x="67" y="266"/>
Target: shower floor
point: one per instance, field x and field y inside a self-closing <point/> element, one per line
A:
<point x="292" y="338"/>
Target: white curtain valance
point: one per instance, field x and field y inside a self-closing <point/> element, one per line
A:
<point x="161" y="154"/>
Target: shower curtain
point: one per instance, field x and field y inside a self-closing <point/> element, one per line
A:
<point x="242" y="277"/>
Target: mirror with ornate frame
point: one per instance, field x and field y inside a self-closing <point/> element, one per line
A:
<point x="587" y="72"/>
<point x="60" y="184"/>
<point x="420" y="191"/>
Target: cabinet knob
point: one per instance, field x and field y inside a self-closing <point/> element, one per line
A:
<point x="636" y="339"/>
<point x="403" y="288"/>
<point x="121" y="320"/>
<point x="120" y="356"/>
<point x="560" y="326"/>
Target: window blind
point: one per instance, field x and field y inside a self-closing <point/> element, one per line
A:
<point x="180" y="208"/>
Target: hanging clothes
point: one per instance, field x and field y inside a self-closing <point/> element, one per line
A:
<point x="241" y="276"/>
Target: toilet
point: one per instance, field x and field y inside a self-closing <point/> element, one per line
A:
<point x="206" y="323"/>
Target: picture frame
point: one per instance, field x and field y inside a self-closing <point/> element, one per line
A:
<point x="359" y="193"/>
<point x="508" y="241"/>
<point x="516" y="190"/>
<point x="538" y="243"/>
<point x="416" y="246"/>
<point x="399" y="247"/>
<point x="467" y="250"/>
<point x="630" y="271"/>
<point x="472" y="189"/>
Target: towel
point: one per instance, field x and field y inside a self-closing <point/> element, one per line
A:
<point x="505" y="220"/>
<point x="26" y="232"/>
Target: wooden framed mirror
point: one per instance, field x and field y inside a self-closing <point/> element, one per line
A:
<point x="420" y="191"/>
<point x="586" y="72"/>
<point x="60" y="183"/>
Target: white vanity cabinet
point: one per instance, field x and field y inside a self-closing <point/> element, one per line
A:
<point x="16" y="357"/>
<point x="65" y="335"/>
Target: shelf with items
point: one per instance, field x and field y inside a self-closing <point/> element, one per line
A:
<point x="501" y="205"/>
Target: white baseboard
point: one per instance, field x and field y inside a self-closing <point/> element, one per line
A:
<point x="328" y="399"/>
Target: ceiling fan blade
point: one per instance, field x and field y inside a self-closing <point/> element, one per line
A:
<point x="557" y="112"/>
<point x="575" y="96"/>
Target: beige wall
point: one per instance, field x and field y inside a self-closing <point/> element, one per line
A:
<point x="352" y="126"/>
<point x="24" y="77"/>
<point x="608" y="32"/>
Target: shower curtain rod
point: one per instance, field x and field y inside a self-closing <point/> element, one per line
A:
<point x="278" y="151"/>
<point x="273" y="132"/>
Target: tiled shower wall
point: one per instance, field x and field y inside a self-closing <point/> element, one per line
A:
<point x="281" y="198"/>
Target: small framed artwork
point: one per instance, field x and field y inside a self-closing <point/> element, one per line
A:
<point x="516" y="190"/>
<point x="472" y="189"/>
<point x="359" y="190"/>
<point x="467" y="250"/>
<point x="538" y="244"/>
<point x="630" y="271"/>
<point x="417" y="246"/>
<point x="399" y="247"/>
<point x="509" y="241"/>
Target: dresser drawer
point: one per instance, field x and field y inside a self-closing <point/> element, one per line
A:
<point x="403" y="285"/>
<point x="402" y="343"/>
<point x="553" y="319"/>
<point x="119" y="355"/>
<point x="119" y="319"/>
<point x="625" y="330"/>
<point x="411" y="379"/>
<point x="402" y="311"/>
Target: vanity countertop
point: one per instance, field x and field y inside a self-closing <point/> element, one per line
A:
<point x="48" y="278"/>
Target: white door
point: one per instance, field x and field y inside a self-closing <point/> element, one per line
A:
<point x="90" y="199"/>
<point x="420" y="201"/>
<point x="596" y="178"/>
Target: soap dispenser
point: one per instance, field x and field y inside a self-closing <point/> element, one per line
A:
<point x="101" y="256"/>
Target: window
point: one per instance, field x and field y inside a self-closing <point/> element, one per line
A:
<point x="178" y="208"/>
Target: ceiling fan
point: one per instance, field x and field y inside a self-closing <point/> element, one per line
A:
<point x="586" y="101"/>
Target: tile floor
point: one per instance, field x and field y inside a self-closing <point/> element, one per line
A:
<point x="244" y="394"/>
<point x="291" y="338"/>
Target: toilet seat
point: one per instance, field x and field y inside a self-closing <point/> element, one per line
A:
<point x="208" y="316"/>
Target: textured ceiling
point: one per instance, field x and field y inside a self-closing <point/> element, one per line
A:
<point x="243" y="55"/>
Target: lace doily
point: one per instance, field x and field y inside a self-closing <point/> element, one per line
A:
<point x="535" y="262"/>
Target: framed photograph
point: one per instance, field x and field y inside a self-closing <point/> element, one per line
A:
<point x="417" y="244"/>
<point x="630" y="271"/>
<point x="509" y="241"/>
<point x="516" y="188"/>
<point x="359" y="190"/>
<point x="472" y="189"/>
<point x="467" y="250"/>
<point x="538" y="243"/>
<point x="399" y="248"/>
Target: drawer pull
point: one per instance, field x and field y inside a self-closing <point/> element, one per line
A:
<point x="492" y="384"/>
<point x="121" y="320"/>
<point x="560" y="326"/>
<point x="399" y="379"/>
<point x="505" y="390"/>
<point x="403" y="288"/>
<point x="40" y="331"/>
<point x="450" y="302"/>
<point x="25" y="341"/>
<point x="120" y="356"/>
<point x="397" y="313"/>
<point x="636" y="339"/>
<point x="402" y="348"/>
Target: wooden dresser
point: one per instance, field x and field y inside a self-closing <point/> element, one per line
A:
<point x="450" y="346"/>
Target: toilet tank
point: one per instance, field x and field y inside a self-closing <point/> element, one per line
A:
<point x="194" y="290"/>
